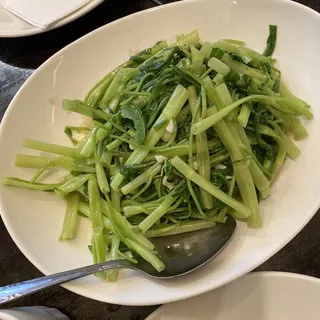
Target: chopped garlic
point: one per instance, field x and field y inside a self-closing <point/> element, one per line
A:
<point x="195" y="165"/>
<point x="171" y="127"/>
<point x="168" y="184"/>
<point x="166" y="136"/>
<point x="79" y="136"/>
<point x="160" y="159"/>
<point x="220" y="167"/>
<point x="170" y="130"/>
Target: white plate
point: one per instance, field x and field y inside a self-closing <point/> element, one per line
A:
<point x="34" y="219"/>
<point x="13" y="26"/>
<point x="257" y="296"/>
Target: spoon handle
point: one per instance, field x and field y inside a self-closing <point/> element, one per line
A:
<point x="20" y="289"/>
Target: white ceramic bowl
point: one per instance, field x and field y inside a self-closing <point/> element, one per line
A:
<point x="34" y="219"/>
<point x="257" y="296"/>
<point x="32" y="313"/>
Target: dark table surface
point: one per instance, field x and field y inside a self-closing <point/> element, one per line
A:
<point x="18" y="59"/>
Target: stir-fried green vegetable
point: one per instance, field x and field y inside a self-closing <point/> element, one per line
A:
<point x="181" y="136"/>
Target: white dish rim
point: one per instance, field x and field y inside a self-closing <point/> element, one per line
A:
<point x="81" y="291"/>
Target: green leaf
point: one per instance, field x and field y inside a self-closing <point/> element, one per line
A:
<point x="161" y="60"/>
<point x="217" y="53"/>
<point x="271" y="42"/>
<point x="141" y="56"/>
<point x="168" y="170"/>
<point x="132" y="112"/>
<point x="185" y="78"/>
<point x="149" y="52"/>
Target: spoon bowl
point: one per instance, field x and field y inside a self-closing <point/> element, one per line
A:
<point x="183" y="253"/>
<point x="180" y="253"/>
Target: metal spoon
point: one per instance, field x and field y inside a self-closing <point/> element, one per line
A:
<point x="181" y="254"/>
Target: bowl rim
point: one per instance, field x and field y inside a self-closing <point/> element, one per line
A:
<point x="268" y="275"/>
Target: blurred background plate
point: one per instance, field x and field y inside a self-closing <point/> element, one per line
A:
<point x="258" y="296"/>
<point x="13" y="26"/>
